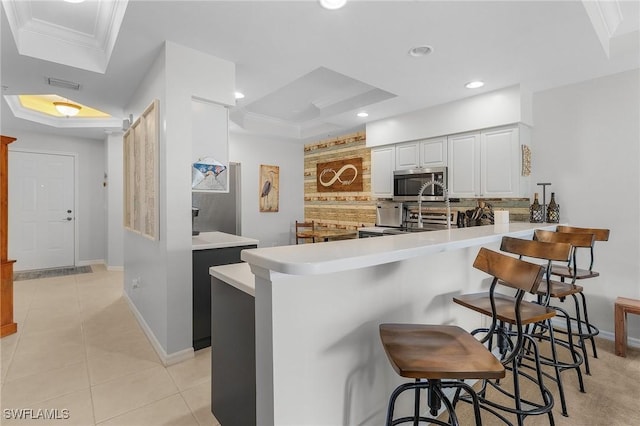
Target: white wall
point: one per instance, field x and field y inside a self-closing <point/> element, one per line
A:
<point x="586" y="141"/>
<point x="271" y="229"/>
<point x="164" y="297"/>
<point x="90" y="194"/>
<point x="492" y="109"/>
<point x="114" y="230"/>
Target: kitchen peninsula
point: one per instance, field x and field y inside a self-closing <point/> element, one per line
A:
<point x="318" y="306"/>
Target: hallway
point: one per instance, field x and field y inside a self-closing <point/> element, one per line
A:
<point x="80" y="354"/>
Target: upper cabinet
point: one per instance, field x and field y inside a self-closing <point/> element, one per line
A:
<point x="407" y="155"/>
<point x="425" y="154"/>
<point x="488" y="163"/>
<point x="383" y="162"/>
<point x="464" y="165"/>
<point x="433" y="152"/>
<point x="485" y="163"/>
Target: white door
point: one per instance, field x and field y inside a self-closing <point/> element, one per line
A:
<point x="41" y="210"/>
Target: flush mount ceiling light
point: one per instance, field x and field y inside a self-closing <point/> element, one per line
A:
<point x="238" y="95"/>
<point x="420" y="51"/>
<point x="332" y="4"/>
<point x="67" y="109"/>
<point x="362" y="114"/>
<point x="474" y="84"/>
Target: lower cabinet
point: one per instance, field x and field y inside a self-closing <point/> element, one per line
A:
<point x="202" y="261"/>
<point x="233" y="358"/>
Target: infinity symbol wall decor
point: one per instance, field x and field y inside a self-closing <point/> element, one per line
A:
<point x="339" y="176"/>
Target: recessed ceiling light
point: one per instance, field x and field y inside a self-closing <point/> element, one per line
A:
<point x="474" y="84"/>
<point x="238" y="95"/>
<point x="332" y="4"/>
<point x="362" y="114"/>
<point x="420" y="51"/>
<point x="74" y="1"/>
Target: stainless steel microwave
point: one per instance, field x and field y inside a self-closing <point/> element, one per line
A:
<point x="407" y="184"/>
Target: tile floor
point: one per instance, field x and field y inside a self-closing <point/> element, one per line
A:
<point x="80" y="349"/>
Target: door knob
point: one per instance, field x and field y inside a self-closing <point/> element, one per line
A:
<point x="68" y="211"/>
<point x="68" y="219"/>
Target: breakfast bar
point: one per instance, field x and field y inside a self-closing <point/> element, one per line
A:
<point x="319" y="359"/>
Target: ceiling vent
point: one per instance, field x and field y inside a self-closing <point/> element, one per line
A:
<point x="63" y="83"/>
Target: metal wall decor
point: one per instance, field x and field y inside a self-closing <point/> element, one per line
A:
<point x="526" y="160"/>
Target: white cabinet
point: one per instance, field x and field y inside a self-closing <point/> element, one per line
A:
<point x="464" y="165"/>
<point x="500" y="163"/>
<point x="407" y="155"/>
<point x="486" y="164"/>
<point x="433" y="152"/>
<point x="383" y="162"/>
<point x="425" y="153"/>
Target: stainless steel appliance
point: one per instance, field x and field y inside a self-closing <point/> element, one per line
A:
<point x="407" y="184"/>
<point x="219" y="211"/>
<point x="389" y="214"/>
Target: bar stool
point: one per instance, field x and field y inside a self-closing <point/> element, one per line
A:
<point x="436" y="355"/>
<point x="561" y="288"/>
<point x="550" y="252"/>
<point x="600" y="234"/>
<point x="510" y="314"/>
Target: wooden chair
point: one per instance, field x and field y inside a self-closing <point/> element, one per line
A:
<point x="509" y="316"/>
<point x="551" y="252"/>
<point x="569" y="270"/>
<point x="305" y="231"/>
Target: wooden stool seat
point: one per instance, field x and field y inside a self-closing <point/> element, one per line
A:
<point x="505" y="307"/>
<point x="567" y="272"/>
<point x="623" y="306"/>
<point x="558" y="289"/>
<point x="438" y="352"/>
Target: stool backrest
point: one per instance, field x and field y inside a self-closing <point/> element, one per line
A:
<point x="576" y="240"/>
<point x="537" y="249"/>
<point x="600" y="234"/>
<point x="511" y="271"/>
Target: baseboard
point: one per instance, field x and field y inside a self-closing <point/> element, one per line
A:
<point x="166" y="359"/>
<point x="607" y="335"/>
<point x="90" y="262"/>
<point x="115" y="268"/>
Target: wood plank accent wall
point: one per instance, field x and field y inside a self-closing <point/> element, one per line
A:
<point x="344" y="210"/>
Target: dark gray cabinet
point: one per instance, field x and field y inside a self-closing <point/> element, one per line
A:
<point x="202" y="261"/>
<point x="233" y="357"/>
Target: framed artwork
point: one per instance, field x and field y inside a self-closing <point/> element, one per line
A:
<point x="339" y="176"/>
<point x="140" y="154"/>
<point x="208" y="174"/>
<point x="269" y="188"/>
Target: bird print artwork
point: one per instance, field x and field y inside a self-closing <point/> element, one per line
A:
<point x="269" y="188"/>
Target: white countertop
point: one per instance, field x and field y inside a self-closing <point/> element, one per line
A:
<point x="214" y="240"/>
<point x="238" y="275"/>
<point x="336" y="256"/>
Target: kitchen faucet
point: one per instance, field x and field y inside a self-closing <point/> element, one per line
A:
<point x="446" y="200"/>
